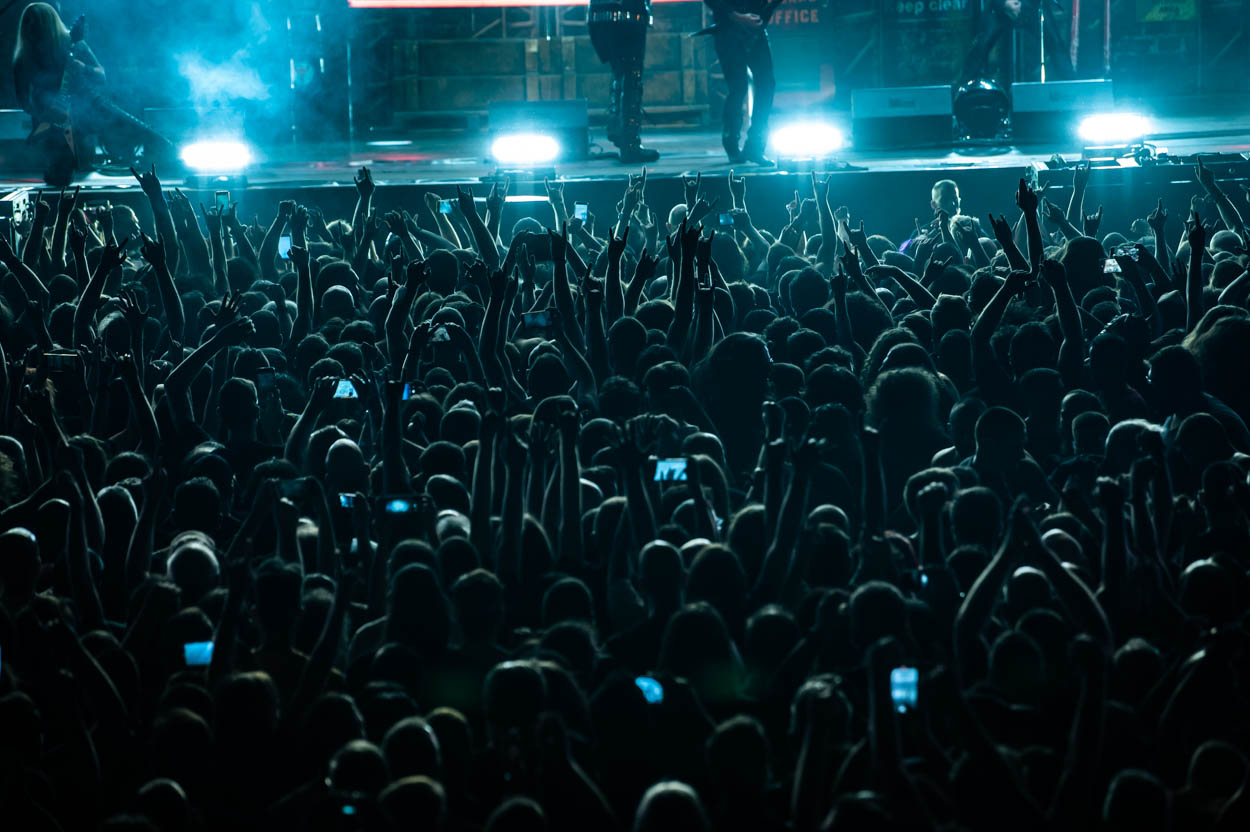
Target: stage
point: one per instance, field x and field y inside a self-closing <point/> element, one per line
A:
<point x="876" y="185"/>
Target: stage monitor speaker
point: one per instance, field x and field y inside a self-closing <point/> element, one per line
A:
<point x="899" y="117"/>
<point x="567" y="121"/>
<point x="1052" y="111"/>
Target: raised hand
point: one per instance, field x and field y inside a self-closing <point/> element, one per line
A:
<point x="134" y="310"/>
<point x="1092" y="223"/>
<point x="703" y="250"/>
<point x="645" y="270"/>
<point x="77" y="239"/>
<point x="66" y="204"/>
<point x="1205" y="176"/>
<point x="113" y="256"/>
<point x="559" y="244"/>
<point x="42" y="210"/>
<point x="1053" y="273"/>
<point x="149" y="182"/>
<point x="236" y="332"/>
<point x="738" y="189"/>
<point x="431" y="202"/>
<point x="299" y="256"/>
<point x="299" y="220"/>
<point x="931" y="498"/>
<point x="1158" y="218"/>
<point x="498" y="195"/>
<point x="395" y="223"/>
<point x="416" y="273"/>
<point x="1017" y="282"/>
<point x="228" y="311"/>
<point x="286" y="209"/>
<point x="690" y="187"/>
<point x="153" y="251"/>
<point x="555" y="190"/>
<point x="1196" y="235"/>
<point x="464" y="198"/>
<point x="616" y="245"/>
<point x="1052" y="213"/>
<point x="212" y="219"/>
<point x="1002" y="228"/>
<point x="820" y="190"/>
<point x="364" y="183"/>
<point x="1080" y="175"/>
<point x="859" y="237"/>
<point x="1026" y="198"/>
<point x="638" y="182"/>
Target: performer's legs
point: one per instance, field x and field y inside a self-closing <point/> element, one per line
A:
<point x="764" y="84"/>
<point x="733" y="64"/>
<point x="634" y="41"/>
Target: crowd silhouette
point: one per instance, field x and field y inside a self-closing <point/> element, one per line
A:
<point x="420" y="522"/>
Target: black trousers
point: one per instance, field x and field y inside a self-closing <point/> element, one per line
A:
<point x="740" y="49"/>
<point x="622" y="44"/>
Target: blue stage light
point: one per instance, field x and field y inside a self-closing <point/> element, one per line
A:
<point x="216" y="156"/>
<point x="524" y="149"/>
<point x="1114" y="128"/>
<point x="806" y="140"/>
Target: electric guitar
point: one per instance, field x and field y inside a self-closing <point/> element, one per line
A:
<point x="54" y="141"/>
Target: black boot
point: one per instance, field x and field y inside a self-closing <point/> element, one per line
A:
<point x="630" y="140"/>
<point x="614" y="109"/>
<point x="729" y="141"/>
<point x="753" y="151"/>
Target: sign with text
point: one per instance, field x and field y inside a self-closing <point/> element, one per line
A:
<point x="929" y="9"/>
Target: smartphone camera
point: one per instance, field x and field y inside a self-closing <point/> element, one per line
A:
<point x="441" y="336"/>
<point x="1109" y="266"/>
<point x="536" y="320"/>
<point x="444" y="206"/>
<point x="284" y="246"/>
<point x="904" y="685"/>
<point x="726" y="220"/>
<point x="265" y="381"/>
<point x="1128" y="250"/>
<point x="407" y="392"/>
<point x="580" y="211"/>
<point x="61" y="362"/>
<point x="223" y="200"/>
<point x="652" y="690"/>
<point x="347" y="500"/>
<point x="670" y="470"/>
<point x="398" y="505"/>
<point x="197" y="653"/>
<point x="345" y="390"/>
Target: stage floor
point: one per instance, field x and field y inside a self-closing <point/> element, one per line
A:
<point x="443" y="159"/>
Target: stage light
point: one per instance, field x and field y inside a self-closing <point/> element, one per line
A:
<point x="216" y="156"/>
<point x="806" y="140"/>
<point x="1114" y="128"/>
<point x="525" y="149"/>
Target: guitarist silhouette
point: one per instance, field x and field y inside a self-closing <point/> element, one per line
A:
<point x="61" y="84"/>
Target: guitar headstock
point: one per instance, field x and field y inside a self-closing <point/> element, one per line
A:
<point x="79" y="30"/>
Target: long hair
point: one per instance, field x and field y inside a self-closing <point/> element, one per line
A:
<point x="42" y="37"/>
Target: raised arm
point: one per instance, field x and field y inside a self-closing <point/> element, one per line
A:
<point x="1197" y="238"/>
<point x="1228" y="211"/>
<point x="156" y="253"/>
<point x="1076" y="204"/>
<point x="112" y="257"/>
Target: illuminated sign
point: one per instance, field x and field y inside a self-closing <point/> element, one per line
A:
<point x="471" y="4"/>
